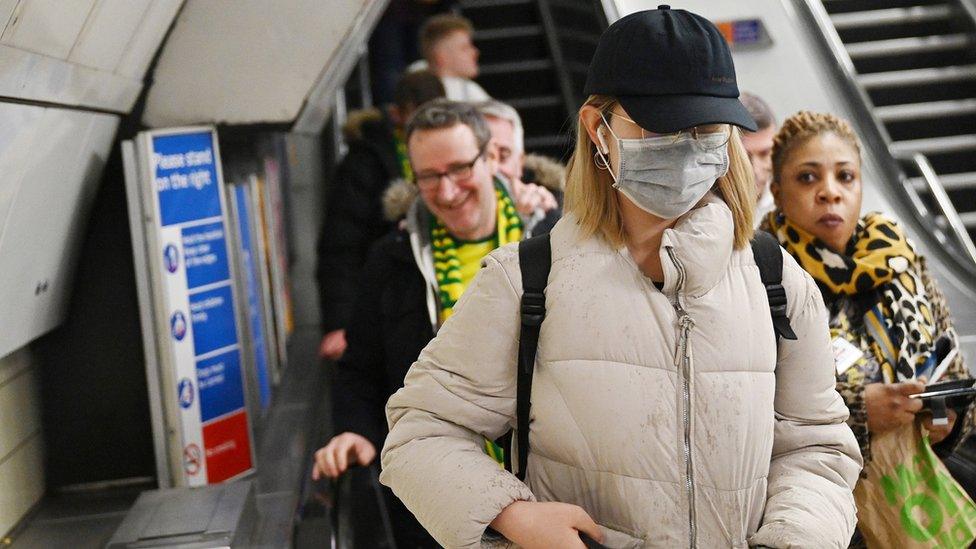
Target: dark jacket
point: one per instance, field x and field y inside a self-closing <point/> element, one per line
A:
<point x="354" y="217"/>
<point x="393" y="320"/>
<point x="391" y="324"/>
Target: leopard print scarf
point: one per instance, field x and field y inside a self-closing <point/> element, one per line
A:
<point x="898" y="328"/>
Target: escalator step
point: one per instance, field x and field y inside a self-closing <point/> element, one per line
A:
<point x="938" y="125"/>
<point x="580" y="8"/>
<point x="968" y="219"/>
<point x="951" y="182"/>
<point x="540" y="101"/>
<point x="546" y="141"/>
<point x="914" y="77"/>
<point x="934" y="145"/>
<point x="508" y="44"/>
<point x="909" y="60"/>
<point x="475" y="4"/>
<point x="508" y="33"/>
<point x="921" y="94"/>
<point x="911" y="45"/>
<point x="869" y="26"/>
<point x="893" y="16"/>
<point x="517" y="67"/>
<point x="959" y="161"/>
<point x="492" y="14"/>
<point x="847" y="6"/>
<point x="934" y="109"/>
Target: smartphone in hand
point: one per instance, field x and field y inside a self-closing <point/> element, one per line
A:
<point x="590" y="543"/>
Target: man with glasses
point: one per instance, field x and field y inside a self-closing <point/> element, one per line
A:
<point x="413" y="278"/>
<point x="376" y="161"/>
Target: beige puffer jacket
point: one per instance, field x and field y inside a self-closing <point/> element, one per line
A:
<point x="631" y="419"/>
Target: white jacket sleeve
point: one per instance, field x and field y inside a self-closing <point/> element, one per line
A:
<point x="460" y="391"/>
<point x="816" y="460"/>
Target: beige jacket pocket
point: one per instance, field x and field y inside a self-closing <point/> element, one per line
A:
<point x="615" y="539"/>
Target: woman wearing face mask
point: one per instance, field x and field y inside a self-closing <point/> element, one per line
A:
<point x="664" y="411"/>
<point x="886" y="312"/>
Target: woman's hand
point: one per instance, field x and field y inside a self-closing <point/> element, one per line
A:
<point x="532" y="524"/>
<point x="888" y="405"/>
<point x="938" y="433"/>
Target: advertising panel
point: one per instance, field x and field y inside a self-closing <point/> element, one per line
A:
<point x="192" y="287"/>
<point x="250" y="260"/>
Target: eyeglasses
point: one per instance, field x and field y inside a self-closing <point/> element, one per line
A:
<point x="706" y="136"/>
<point x="458" y="172"/>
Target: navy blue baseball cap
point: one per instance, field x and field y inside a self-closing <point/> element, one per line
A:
<point x="670" y="69"/>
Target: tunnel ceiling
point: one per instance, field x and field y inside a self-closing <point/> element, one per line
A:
<point x="246" y="62"/>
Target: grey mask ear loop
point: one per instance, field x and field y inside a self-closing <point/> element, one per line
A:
<point x="600" y="159"/>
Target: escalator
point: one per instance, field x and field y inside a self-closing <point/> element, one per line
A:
<point x="914" y="62"/>
<point x="911" y="69"/>
<point x="534" y="56"/>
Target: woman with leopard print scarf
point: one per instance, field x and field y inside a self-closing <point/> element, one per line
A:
<point x="889" y="321"/>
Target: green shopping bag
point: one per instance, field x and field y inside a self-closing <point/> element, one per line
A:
<point x="909" y="499"/>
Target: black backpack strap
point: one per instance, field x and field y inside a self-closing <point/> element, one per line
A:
<point x="535" y="260"/>
<point x="769" y="259"/>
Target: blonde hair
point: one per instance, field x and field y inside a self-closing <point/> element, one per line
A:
<point x="804" y="125"/>
<point x="592" y="199"/>
<point x="440" y="27"/>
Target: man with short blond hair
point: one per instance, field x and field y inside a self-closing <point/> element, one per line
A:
<point x="445" y="43"/>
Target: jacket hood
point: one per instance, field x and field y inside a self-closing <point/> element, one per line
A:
<point x="369" y="134"/>
<point x="546" y="171"/>
<point x="398" y="198"/>
<point x="362" y="124"/>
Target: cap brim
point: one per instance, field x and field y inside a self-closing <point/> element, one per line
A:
<point x="671" y="113"/>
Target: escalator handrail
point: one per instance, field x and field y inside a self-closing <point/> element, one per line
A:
<point x="319" y="102"/>
<point x="868" y="121"/>
<point x="556" y="51"/>
<point x="610" y="11"/>
<point x="339" y="491"/>
<point x="969" y="8"/>
<point x="945" y="204"/>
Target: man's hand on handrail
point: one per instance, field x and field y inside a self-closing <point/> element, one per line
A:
<point x="342" y="452"/>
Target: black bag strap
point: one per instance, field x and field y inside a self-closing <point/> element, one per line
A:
<point x="769" y="259"/>
<point x="535" y="260"/>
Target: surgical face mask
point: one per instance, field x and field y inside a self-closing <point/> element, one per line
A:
<point x="667" y="175"/>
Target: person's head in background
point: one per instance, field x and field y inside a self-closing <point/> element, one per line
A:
<point x="413" y="90"/>
<point x="509" y="137"/>
<point x="454" y="162"/>
<point x="445" y="42"/>
<point x="817" y="176"/>
<point x="759" y="144"/>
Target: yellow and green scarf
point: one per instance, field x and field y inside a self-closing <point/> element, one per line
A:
<point x="448" y="265"/>
<point x="898" y="326"/>
<point x="403" y="158"/>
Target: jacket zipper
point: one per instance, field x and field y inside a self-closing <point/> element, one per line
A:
<point x="683" y="362"/>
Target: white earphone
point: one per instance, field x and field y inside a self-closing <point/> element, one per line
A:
<point x="603" y="142"/>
